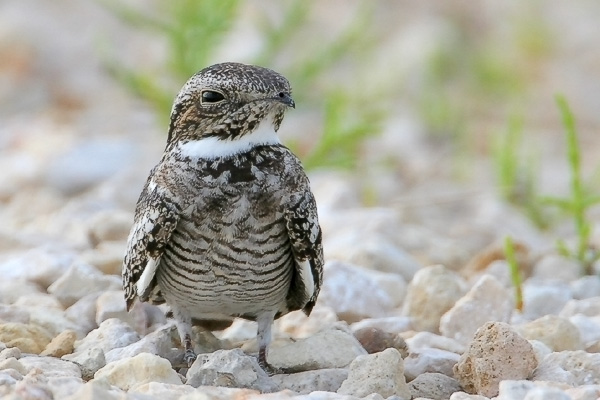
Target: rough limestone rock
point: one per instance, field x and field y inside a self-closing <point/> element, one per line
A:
<point x="111" y="334"/>
<point x="61" y="344"/>
<point x="353" y="292"/>
<point x="466" y="396"/>
<point x="328" y="380"/>
<point x="89" y="361"/>
<point x="381" y="373"/>
<point x="229" y="368"/>
<point x="28" y="338"/>
<point x="143" y="368"/>
<point x="426" y="340"/>
<point x="433" y="386"/>
<point x="393" y="324"/>
<point x="496" y="353"/>
<point x="527" y="390"/>
<point x="574" y="368"/>
<point x="432" y="292"/>
<point x="541" y="299"/>
<point x="330" y="348"/>
<point x="556" y="332"/>
<point x="97" y="390"/>
<point x="488" y="300"/>
<point x="80" y="280"/>
<point x="158" y="342"/>
<point x="163" y="391"/>
<point x="429" y="361"/>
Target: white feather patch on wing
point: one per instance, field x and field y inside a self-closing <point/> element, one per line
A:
<point x="143" y="283"/>
<point x="212" y="147"/>
<point x="306" y="276"/>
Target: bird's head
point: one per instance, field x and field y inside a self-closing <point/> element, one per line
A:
<point x="229" y="102"/>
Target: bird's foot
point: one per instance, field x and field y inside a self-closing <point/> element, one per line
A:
<point x="269" y="369"/>
<point x="189" y="357"/>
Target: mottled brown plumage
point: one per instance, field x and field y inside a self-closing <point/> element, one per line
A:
<point x="226" y="225"/>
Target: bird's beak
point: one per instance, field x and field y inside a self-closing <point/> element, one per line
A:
<point x="286" y="99"/>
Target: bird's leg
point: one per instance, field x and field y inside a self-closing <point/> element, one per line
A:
<point x="265" y="323"/>
<point x="184" y="327"/>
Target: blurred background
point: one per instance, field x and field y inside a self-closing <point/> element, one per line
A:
<point x="445" y="112"/>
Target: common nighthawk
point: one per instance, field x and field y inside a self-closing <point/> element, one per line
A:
<point x="226" y="225"/>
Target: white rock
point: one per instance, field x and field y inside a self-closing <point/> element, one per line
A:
<point x="557" y="333"/>
<point x="331" y="348"/>
<point x="38" y="300"/>
<point x="586" y="287"/>
<point x="540" y="349"/>
<point x="374" y="252"/>
<point x="328" y="380"/>
<point x="432" y="292"/>
<point x="111" y="304"/>
<point x="466" y="396"/>
<point x="589" y="307"/>
<point x="13" y="363"/>
<point x="81" y="280"/>
<point x="109" y="225"/>
<point x="11" y="313"/>
<point x="111" y="334"/>
<point x="433" y="386"/>
<point x="487" y="301"/>
<point x="526" y="390"/>
<point x="571" y="367"/>
<point x="63" y="378"/>
<point x="41" y="266"/>
<point x="557" y="268"/>
<point x="298" y="325"/>
<point x="163" y="391"/>
<point x="589" y="328"/>
<point x="541" y="299"/>
<point x="89" y="361"/>
<point x="83" y="312"/>
<point x="586" y="392"/>
<point x="230" y="368"/>
<point x="128" y="373"/>
<point x="158" y="342"/>
<point x="12" y="289"/>
<point x="353" y="292"/>
<point x="425" y="340"/>
<point x="53" y="320"/>
<point x="98" y="390"/>
<point x="394" y="324"/>
<point x="496" y="353"/>
<point x="225" y="393"/>
<point x="106" y="256"/>
<point x="381" y="373"/>
<point x="429" y="361"/>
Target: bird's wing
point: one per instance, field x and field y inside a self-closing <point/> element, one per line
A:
<point x="156" y="216"/>
<point x="305" y="238"/>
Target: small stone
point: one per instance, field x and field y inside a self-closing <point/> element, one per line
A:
<point x="28" y="338"/>
<point x="487" y="300"/>
<point x="432" y="292"/>
<point x="394" y="324"/>
<point x="98" y="390"/>
<point x="331" y="348"/>
<point x="541" y="299"/>
<point x="353" y="292"/>
<point x="12" y="289"/>
<point x="229" y="368"/>
<point x="586" y="287"/>
<point x="433" y="386"/>
<point x="13" y="363"/>
<point x="158" y="342"/>
<point x="556" y="267"/>
<point x="128" y="373"/>
<point x="89" y="361"/>
<point x="111" y="334"/>
<point x="557" y="333"/>
<point x="574" y="368"/>
<point x="298" y="325"/>
<point x="496" y="353"/>
<point x="375" y="340"/>
<point x="53" y="320"/>
<point x="586" y="392"/>
<point x="11" y="352"/>
<point x="84" y="312"/>
<point x="425" y="340"/>
<point x="11" y="313"/>
<point x="466" y="396"/>
<point x="326" y="380"/>
<point x="44" y="300"/>
<point x="111" y="304"/>
<point x="381" y="373"/>
<point x="40" y="266"/>
<point x="589" y="328"/>
<point x="81" y="280"/>
<point x="112" y="225"/>
<point x="163" y="391"/>
<point x="588" y="307"/>
<point x="225" y="393"/>
<point x="429" y="361"/>
<point x="526" y="390"/>
<point x="107" y="257"/>
<point x="60" y="345"/>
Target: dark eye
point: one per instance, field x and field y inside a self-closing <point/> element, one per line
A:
<point x="210" y="96"/>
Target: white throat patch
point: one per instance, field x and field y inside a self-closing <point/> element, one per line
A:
<point x="212" y="147"/>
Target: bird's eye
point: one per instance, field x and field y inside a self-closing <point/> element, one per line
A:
<point x="210" y="96"/>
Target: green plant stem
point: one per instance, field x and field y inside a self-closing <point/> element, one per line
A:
<point x="515" y="273"/>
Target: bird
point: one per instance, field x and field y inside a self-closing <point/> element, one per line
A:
<point x="226" y="225"/>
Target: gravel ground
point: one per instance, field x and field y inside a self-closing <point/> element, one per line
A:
<point x="417" y="301"/>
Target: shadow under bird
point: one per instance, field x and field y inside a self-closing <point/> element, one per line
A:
<point x="226" y="225"/>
